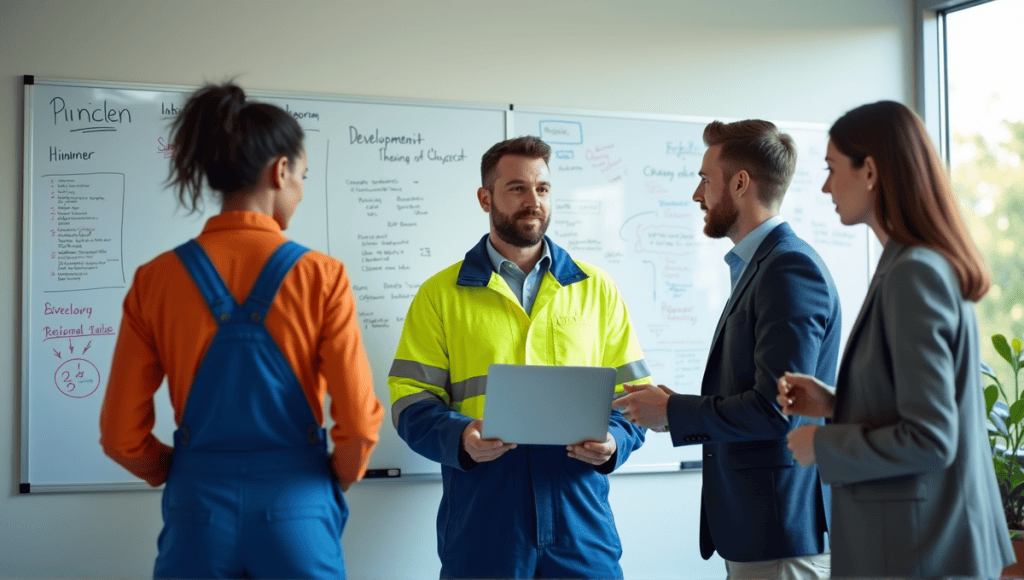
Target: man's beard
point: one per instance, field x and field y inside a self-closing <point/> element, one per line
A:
<point x="506" y="228"/>
<point x="722" y="217"/>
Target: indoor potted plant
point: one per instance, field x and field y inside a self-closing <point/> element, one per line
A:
<point x="1006" y="436"/>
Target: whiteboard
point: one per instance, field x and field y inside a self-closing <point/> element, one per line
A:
<point x="622" y="199"/>
<point x="95" y="208"/>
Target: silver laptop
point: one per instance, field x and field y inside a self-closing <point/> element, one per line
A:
<point x="547" y="405"/>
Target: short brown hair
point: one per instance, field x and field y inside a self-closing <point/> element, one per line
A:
<point x="528" y="146"/>
<point x="768" y="155"/>
<point x="915" y="203"/>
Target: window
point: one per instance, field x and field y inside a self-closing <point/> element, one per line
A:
<point x="977" y="115"/>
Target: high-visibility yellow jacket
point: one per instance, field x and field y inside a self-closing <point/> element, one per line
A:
<point x="462" y="320"/>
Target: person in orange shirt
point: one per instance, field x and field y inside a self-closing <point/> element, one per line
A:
<point x="252" y="331"/>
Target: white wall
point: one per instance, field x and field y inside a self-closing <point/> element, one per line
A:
<point x="795" y="60"/>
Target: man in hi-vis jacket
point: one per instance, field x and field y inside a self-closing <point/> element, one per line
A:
<point x="508" y="511"/>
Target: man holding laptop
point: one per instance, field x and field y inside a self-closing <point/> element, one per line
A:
<point x="508" y="510"/>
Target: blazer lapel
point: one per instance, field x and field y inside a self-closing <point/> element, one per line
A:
<point x="890" y="252"/>
<point x="769" y="243"/>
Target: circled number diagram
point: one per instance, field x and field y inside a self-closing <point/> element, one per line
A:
<point x="77" y="378"/>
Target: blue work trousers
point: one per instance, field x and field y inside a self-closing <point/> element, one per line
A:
<point x="270" y="514"/>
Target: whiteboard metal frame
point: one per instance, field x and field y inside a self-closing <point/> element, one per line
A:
<point x="656" y="117"/>
<point x="269" y="94"/>
<point x="26" y="285"/>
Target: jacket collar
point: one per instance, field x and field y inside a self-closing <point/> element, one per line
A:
<point x="890" y="252"/>
<point x="476" y="269"/>
<point x="770" y="241"/>
<point x="767" y="245"/>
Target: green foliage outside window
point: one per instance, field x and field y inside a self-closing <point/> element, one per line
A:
<point x="990" y="187"/>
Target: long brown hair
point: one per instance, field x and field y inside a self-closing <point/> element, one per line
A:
<point x="915" y="203"/>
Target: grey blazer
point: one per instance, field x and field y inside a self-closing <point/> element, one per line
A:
<point x="907" y="454"/>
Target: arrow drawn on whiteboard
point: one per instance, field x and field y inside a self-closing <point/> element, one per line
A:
<point x="631" y="218"/>
<point x="654" y="279"/>
<point x="58" y="354"/>
<point x="87" y="347"/>
<point x="71" y="346"/>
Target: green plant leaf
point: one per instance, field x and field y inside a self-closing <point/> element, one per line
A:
<point x="1016" y="413"/>
<point x="991" y="396"/>
<point x="1000" y="468"/>
<point x="999" y="341"/>
<point x="1016" y="344"/>
<point x="1018" y="484"/>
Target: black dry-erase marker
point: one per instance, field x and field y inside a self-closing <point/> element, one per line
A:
<point x="387" y="472"/>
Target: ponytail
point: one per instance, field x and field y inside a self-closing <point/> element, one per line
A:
<point x="228" y="141"/>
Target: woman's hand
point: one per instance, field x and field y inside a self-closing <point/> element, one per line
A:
<point x="801" y="443"/>
<point x="805" y="395"/>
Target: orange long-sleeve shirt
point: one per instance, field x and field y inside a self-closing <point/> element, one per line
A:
<point x="166" y="329"/>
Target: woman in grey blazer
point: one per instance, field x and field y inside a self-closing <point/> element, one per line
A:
<point x="906" y="450"/>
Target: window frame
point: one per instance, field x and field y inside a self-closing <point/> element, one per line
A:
<point x="930" y="80"/>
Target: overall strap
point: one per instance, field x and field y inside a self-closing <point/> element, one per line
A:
<point x="271" y="276"/>
<point x="204" y="274"/>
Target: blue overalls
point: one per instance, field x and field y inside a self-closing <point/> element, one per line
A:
<point x="250" y="493"/>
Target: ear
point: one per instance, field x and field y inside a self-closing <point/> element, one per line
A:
<point x="870" y="172"/>
<point x="740" y="184"/>
<point x="279" y="169"/>
<point x="483" y="195"/>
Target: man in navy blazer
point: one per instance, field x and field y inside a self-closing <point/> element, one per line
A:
<point x="766" y="515"/>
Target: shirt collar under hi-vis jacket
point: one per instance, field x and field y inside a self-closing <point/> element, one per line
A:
<point x="477" y="268"/>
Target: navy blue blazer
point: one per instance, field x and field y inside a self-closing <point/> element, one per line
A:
<point x="757" y="502"/>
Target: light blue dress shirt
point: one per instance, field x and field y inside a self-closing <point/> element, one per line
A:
<point x="524" y="286"/>
<point x="740" y="255"/>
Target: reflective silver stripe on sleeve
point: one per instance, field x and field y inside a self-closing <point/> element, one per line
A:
<point x="403" y="403"/>
<point x="407" y="369"/>
<point x="471" y="387"/>
<point x="632" y="371"/>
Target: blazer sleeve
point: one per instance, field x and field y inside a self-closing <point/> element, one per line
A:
<point x="920" y="306"/>
<point x="791" y="309"/>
